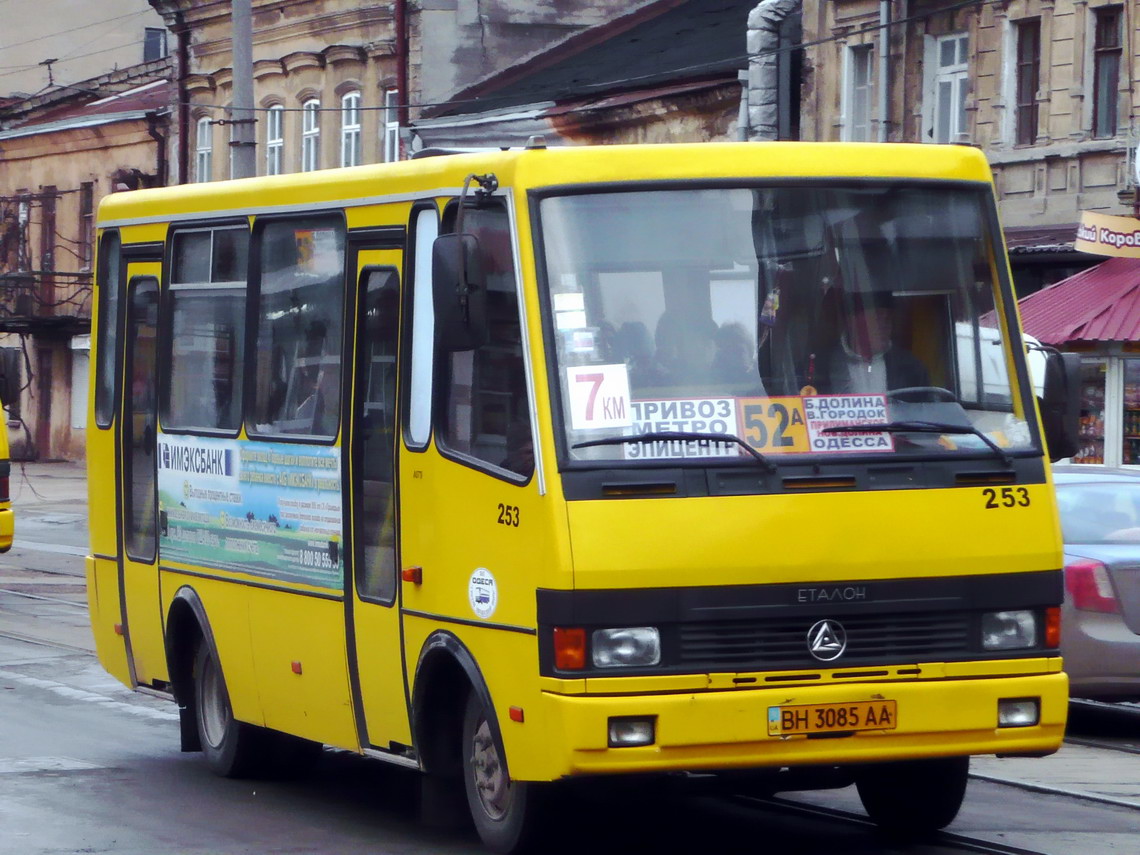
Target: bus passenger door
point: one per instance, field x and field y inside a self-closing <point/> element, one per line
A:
<point x="138" y="552"/>
<point x="375" y="645"/>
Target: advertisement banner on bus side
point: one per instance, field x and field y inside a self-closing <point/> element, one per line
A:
<point x="269" y="509"/>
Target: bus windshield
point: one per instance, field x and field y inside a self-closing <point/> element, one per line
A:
<point x="794" y="317"/>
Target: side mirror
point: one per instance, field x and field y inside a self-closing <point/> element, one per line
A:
<point x="460" y="292"/>
<point x="1061" y="404"/>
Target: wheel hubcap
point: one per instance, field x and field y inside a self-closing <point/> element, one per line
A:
<point x="491" y="782"/>
<point x="213" y="704"/>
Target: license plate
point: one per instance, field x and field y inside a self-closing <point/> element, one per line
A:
<point x="832" y="718"/>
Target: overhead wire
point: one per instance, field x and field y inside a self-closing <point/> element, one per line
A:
<point x="24" y="42"/>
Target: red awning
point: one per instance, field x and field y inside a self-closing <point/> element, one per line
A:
<point x="1098" y="304"/>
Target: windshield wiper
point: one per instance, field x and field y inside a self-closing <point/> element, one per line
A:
<point x="924" y="427"/>
<point x="673" y="436"/>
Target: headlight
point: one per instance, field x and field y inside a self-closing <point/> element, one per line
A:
<point x="1012" y="630"/>
<point x="626" y="647"/>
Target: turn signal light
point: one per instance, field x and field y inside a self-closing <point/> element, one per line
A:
<point x="415" y="575"/>
<point x="569" y="648"/>
<point x="1090" y="589"/>
<point x="1053" y="627"/>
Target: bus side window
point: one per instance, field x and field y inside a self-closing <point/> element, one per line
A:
<point x="484" y="411"/>
<point x="375" y="514"/>
<point x="110" y="271"/>
<point x="207" y="329"/>
<point x="299" y="318"/>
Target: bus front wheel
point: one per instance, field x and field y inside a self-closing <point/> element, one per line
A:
<point x="505" y="812"/>
<point x="229" y="745"/>
<point x="914" y="797"/>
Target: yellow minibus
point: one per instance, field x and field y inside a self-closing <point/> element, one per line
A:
<point x="9" y="389"/>
<point x="524" y="466"/>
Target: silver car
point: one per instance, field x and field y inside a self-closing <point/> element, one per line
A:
<point x="1100" y="620"/>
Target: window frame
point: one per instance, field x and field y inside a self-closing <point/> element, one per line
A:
<point x="311" y="135"/>
<point x="1105" y="117"/>
<point x="154" y="38"/>
<point x="204" y="150"/>
<point x="250" y="390"/>
<point x="166" y="316"/>
<point x="417" y="348"/>
<point x="132" y="537"/>
<point x="856" y="58"/>
<point x="391" y="125"/>
<point x="275" y="139"/>
<point x="110" y="332"/>
<point x="360" y="392"/>
<point x="957" y="75"/>
<point x="350" y="129"/>
<point x="86" y="224"/>
<point x="1026" y="80"/>
<point x="442" y="360"/>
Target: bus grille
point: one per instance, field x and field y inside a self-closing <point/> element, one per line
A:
<point x="871" y="639"/>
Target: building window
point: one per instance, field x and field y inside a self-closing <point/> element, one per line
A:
<point x="1106" y="71"/>
<point x="204" y="151"/>
<point x="857" y="94"/>
<point x="1028" y="80"/>
<point x="310" y="135"/>
<point x="86" y="223"/>
<point x="154" y="44"/>
<point x="274" y="139"/>
<point x="391" y="125"/>
<point x="350" y="129"/>
<point x="947" y="122"/>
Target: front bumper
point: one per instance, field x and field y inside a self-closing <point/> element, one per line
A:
<point x="728" y="729"/>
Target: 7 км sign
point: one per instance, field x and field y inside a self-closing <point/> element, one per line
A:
<point x="598" y="396"/>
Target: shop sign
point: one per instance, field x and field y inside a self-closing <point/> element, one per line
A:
<point x="1103" y="234"/>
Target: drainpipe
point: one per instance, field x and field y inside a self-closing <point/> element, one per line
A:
<point x="160" y="165"/>
<point x="763" y="89"/>
<point x="884" y="68"/>
<point x="183" y="34"/>
<point x="401" y="23"/>
<point x="742" y="117"/>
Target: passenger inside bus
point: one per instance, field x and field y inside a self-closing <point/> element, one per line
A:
<point x="867" y="359"/>
<point x="685" y="347"/>
<point x="734" y="363"/>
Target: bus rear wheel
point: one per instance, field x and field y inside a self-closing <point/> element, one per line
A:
<point x="914" y="797"/>
<point x="505" y="812"/>
<point x="231" y="747"/>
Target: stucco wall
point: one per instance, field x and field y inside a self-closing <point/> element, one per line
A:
<point x="1047" y="183"/>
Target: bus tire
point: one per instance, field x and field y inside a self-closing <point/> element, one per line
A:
<point x="505" y="812"/>
<point x="913" y="797"/>
<point x="233" y="748"/>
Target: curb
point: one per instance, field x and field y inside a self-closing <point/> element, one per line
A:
<point x="1057" y="791"/>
